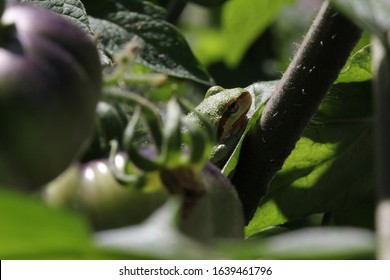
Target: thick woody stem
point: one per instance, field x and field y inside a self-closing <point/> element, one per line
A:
<point x="315" y="67"/>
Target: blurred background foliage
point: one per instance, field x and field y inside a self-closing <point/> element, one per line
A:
<point x="240" y="45"/>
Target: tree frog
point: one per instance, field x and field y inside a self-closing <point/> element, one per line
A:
<point x="226" y="110"/>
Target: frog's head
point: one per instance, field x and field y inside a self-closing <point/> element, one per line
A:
<point x="226" y="109"/>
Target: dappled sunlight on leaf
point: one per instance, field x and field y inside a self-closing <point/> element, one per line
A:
<point x="331" y="167"/>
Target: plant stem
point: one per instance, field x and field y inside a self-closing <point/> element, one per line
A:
<point x="381" y="66"/>
<point x="315" y="67"/>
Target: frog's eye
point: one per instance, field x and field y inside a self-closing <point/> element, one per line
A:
<point x="233" y="108"/>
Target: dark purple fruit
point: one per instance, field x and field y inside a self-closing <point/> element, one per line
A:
<point x="50" y="83"/>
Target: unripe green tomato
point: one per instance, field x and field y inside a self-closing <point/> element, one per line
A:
<point x="219" y="213"/>
<point x="91" y="189"/>
<point x="50" y="82"/>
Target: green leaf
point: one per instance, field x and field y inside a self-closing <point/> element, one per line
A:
<point x="30" y="229"/>
<point x="358" y="66"/>
<point x="103" y="8"/>
<point x="110" y="35"/>
<point x="370" y="15"/>
<point x="162" y="47"/>
<point x="71" y="9"/>
<point x="243" y="21"/>
<point x="207" y="43"/>
<point x="74" y="11"/>
<point x="331" y="167"/>
<point x="267" y="232"/>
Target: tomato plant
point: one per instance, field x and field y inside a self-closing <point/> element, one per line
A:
<point x="308" y="156"/>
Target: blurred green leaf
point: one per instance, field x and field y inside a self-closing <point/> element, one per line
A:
<point x="319" y="243"/>
<point x="207" y="42"/>
<point x="306" y="244"/>
<point x="358" y="66"/>
<point x="331" y="167"/>
<point x="289" y="28"/>
<point x="30" y="229"/>
<point x="370" y="15"/>
<point x="267" y="232"/>
<point x="243" y="21"/>
<point x="157" y="238"/>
